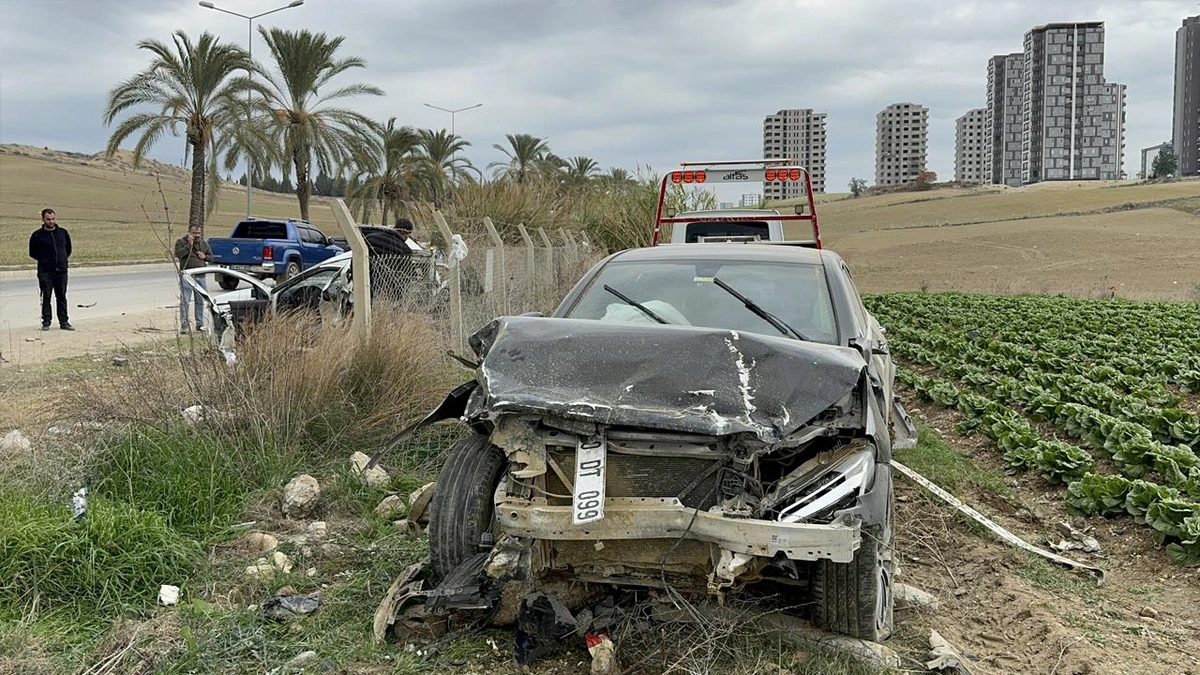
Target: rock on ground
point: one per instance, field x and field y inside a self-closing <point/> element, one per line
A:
<point x="375" y="476"/>
<point x="301" y="495"/>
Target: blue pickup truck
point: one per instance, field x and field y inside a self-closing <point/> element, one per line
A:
<point x="270" y="249"/>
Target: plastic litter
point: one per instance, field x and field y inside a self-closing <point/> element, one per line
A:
<point x="168" y="595"/>
<point x="284" y="607"/>
<point x="79" y="504"/>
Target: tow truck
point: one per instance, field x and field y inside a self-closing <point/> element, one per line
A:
<point x="734" y="225"/>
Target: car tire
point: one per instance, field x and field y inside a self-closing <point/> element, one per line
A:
<point x="292" y="269"/>
<point x="855" y="598"/>
<point x="227" y="282"/>
<point x="462" y="510"/>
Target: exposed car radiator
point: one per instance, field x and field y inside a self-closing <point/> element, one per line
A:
<point x="650" y="476"/>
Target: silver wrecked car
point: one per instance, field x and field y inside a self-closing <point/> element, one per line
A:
<point x="699" y="416"/>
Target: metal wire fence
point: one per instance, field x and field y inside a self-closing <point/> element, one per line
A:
<point x="464" y="289"/>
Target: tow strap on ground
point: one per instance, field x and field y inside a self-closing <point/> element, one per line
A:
<point x="989" y="524"/>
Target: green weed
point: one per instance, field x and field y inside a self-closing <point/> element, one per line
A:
<point x="198" y="483"/>
<point x="948" y="467"/>
<point x="112" y="561"/>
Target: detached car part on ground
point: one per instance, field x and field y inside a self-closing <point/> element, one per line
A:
<point x="699" y="417"/>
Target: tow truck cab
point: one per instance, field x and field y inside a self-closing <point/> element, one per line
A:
<point x="734" y="225"/>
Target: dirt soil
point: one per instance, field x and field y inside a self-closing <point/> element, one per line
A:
<point x="104" y="336"/>
<point x="1017" y="614"/>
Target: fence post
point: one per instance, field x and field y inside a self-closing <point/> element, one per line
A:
<point x="530" y="260"/>
<point x="456" y="309"/>
<point x="360" y="266"/>
<point x="552" y="276"/>
<point x="500" y="264"/>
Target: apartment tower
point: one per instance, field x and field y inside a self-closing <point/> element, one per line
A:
<point x="797" y="135"/>
<point x="970" y="147"/>
<point x="901" y="143"/>
<point x="1185" y="136"/>
<point x="1003" y="123"/>
<point x="1072" y="121"/>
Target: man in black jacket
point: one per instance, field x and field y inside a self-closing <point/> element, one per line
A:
<point x="50" y="246"/>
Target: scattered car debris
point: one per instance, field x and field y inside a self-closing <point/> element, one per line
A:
<point x="168" y="595"/>
<point x="604" y="654"/>
<point x="92" y="304"/>
<point x="991" y="525"/>
<point x="944" y="657"/>
<point x="543" y="626"/>
<point x="283" y="607"/>
<point x="1075" y="540"/>
<point x="79" y="504"/>
<point x="301" y="496"/>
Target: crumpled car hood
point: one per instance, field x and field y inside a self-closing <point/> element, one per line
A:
<point x="678" y="378"/>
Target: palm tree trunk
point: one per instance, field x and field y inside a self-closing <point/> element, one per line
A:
<point x="196" y="207"/>
<point x="303" y="188"/>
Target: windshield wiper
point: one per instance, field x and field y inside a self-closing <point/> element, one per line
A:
<point x="761" y="313"/>
<point x="634" y="303"/>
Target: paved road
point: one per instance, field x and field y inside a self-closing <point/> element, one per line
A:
<point x="104" y="292"/>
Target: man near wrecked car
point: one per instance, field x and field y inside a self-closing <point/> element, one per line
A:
<point x="404" y="227"/>
<point x="50" y="246"/>
<point x="192" y="251"/>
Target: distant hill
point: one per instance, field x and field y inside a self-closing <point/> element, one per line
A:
<point x="113" y="211"/>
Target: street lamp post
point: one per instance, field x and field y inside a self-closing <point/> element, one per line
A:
<point x="250" y="74"/>
<point x="452" y="112"/>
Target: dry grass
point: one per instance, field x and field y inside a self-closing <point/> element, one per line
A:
<point x="296" y="382"/>
<point x="1146" y="254"/>
<point x="942" y="207"/>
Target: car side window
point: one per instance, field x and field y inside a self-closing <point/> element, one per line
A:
<point x="306" y="291"/>
<point x="311" y="236"/>
<point x="860" y="312"/>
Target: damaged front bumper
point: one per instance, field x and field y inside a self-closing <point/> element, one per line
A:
<point x="667" y="518"/>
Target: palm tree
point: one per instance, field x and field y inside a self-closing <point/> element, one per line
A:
<point x="617" y="178"/>
<point x="524" y="154"/>
<point x="385" y="175"/>
<point x="303" y="124"/>
<point x="579" y="171"/>
<point x="442" y="165"/>
<point x="195" y="88"/>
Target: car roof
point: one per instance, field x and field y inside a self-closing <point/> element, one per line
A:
<point x="728" y="213"/>
<point x="750" y="251"/>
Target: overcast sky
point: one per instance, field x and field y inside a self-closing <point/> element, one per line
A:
<point x="626" y="82"/>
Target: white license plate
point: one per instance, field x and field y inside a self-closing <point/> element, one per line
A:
<point x="588" y="504"/>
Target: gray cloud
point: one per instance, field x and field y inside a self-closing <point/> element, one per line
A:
<point x="627" y="82"/>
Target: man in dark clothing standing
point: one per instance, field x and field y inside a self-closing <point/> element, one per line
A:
<point x="50" y="246"/>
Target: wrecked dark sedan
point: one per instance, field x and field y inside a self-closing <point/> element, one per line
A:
<point x="702" y="417"/>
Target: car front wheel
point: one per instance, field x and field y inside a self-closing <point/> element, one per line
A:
<point x="855" y="598"/>
<point x="462" y="510"/>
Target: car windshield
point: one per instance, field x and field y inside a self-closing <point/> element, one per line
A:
<point x="684" y="293"/>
